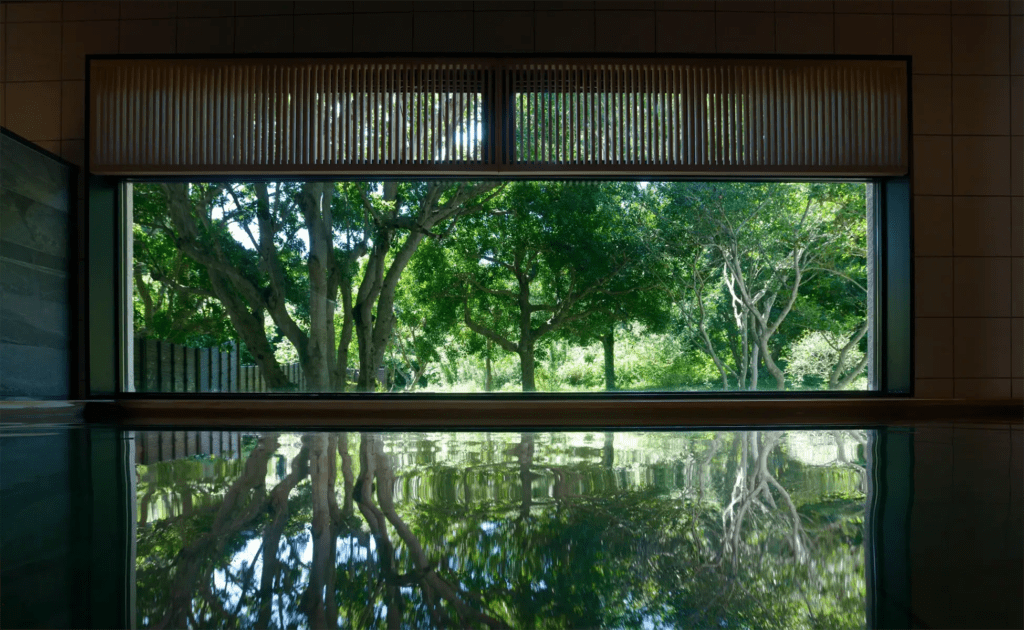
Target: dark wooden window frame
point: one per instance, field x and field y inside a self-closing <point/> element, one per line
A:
<point x="103" y="318"/>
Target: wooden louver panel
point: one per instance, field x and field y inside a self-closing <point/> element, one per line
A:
<point x="515" y="116"/>
<point x="277" y="116"/>
<point x="764" y="116"/>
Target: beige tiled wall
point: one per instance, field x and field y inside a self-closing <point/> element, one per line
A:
<point x="968" y="112"/>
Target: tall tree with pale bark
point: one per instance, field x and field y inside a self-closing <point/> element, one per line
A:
<point x="753" y="256"/>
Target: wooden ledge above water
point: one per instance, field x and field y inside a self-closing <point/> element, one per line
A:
<point x="545" y="413"/>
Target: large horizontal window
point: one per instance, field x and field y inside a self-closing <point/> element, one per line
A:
<point x="500" y="286"/>
<point x="408" y="225"/>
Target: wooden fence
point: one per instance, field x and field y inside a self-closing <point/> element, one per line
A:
<point x="251" y="378"/>
<point x="162" y="446"/>
<point x="170" y="368"/>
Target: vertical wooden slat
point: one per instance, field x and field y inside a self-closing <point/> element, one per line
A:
<point x="601" y="126"/>
<point x="346" y="96"/>
<point x="180" y="450"/>
<point x="527" y="125"/>
<point x="174" y="128"/>
<point x="215" y="378"/>
<point x="624" y="117"/>
<point x="658" y="115"/>
<point x="331" y="105"/>
<point x="804" y="149"/>
<point x="283" y="116"/>
<point x="161" y="131"/>
<point x="225" y="371"/>
<point x="540" y="133"/>
<point x="191" y="111"/>
<point x="565" y="126"/>
<point x="615" y="145"/>
<point x="691" y="130"/>
<point x="456" y="105"/>
<point x="138" y="371"/>
<point x="844" y="118"/>
<point x="664" y="117"/>
<point x="672" y="101"/>
<point x="722" y="143"/>
<point x="544" y="107"/>
<point x="259" y="122"/>
<point x="319" y="114"/>
<point x="704" y="117"/>
<point x="629" y="117"/>
<point x="299" y="131"/>
<point x="132" y="98"/>
<point x="250" y="118"/>
<point x="265" y="95"/>
<point x="148" y="112"/>
<point x="179" y="367"/>
<point x="638" y="124"/>
<point x="204" y="132"/>
<point x="777" y="116"/>
<point x="878" y="116"/>
<point x="166" y="367"/>
<point x="166" y="446"/>
<point x="361" y="126"/>
<point x="707" y="117"/>
<point x="373" y="120"/>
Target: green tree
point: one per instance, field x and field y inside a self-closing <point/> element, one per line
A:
<point x="271" y="270"/>
<point x="746" y="255"/>
<point x="544" y="258"/>
<point x="173" y="299"/>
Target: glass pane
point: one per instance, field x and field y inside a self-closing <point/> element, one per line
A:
<point x="502" y="286"/>
<point x="740" y="529"/>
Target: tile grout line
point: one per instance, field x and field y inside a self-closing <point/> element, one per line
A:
<point x="1009" y="71"/>
<point x="952" y="188"/>
<point x="60" y="106"/>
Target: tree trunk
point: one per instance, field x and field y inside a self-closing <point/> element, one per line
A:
<point x="608" y="452"/>
<point x="317" y="361"/>
<point x="608" y="340"/>
<point x="755" y="364"/>
<point x="525" y="456"/>
<point x="249" y="327"/>
<point x="528" y="365"/>
<point x="769" y="362"/>
<point x="322" y="477"/>
<point x="339" y="380"/>
<point x="488" y="377"/>
<point x="374" y="326"/>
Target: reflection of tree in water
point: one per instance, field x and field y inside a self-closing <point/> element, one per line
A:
<point x="534" y="533"/>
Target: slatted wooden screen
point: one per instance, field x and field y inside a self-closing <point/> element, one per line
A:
<point x="710" y="116"/>
<point x="498" y="116"/>
<point x="287" y="116"/>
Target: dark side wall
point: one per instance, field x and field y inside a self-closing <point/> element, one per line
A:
<point x="34" y="209"/>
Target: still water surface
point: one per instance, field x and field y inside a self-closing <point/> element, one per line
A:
<point x="715" y="529"/>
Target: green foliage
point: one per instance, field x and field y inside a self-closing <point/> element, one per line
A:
<point x="814" y="356"/>
<point x="172" y="298"/>
<point x="544" y="271"/>
<point x="760" y="263"/>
